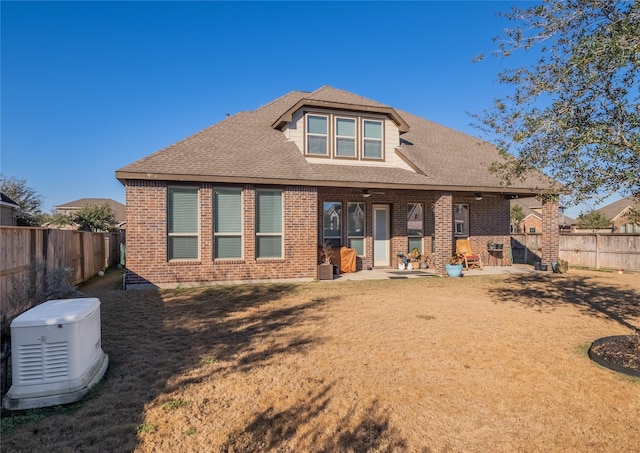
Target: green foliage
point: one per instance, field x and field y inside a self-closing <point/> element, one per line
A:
<point x="60" y="220"/>
<point x="146" y="428"/>
<point x="593" y="220"/>
<point x="8" y="423"/>
<point x="516" y="215"/>
<point x="574" y="113"/>
<point x="175" y="404"/>
<point x="25" y="197"/>
<point x="95" y="218"/>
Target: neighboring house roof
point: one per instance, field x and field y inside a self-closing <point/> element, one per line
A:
<point x="527" y="205"/>
<point x="119" y="210"/>
<point x="249" y="147"/>
<point x="532" y="207"/>
<point x="6" y="201"/>
<point x="618" y="208"/>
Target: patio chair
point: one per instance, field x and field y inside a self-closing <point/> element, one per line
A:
<point x="463" y="247"/>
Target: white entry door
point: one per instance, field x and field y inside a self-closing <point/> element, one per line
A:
<point x="381" y="243"/>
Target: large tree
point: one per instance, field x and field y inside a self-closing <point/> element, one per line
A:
<point x="516" y="216"/>
<point x="573" y="113"/>
<point x="593" y="220"/>
<point x="94" y="218"/>
<point x="27" y="199"/>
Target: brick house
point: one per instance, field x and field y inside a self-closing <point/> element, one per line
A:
<point x="620" y="213"/>
<point x="119" y="210"/>
<point x="532" y="222"/>
<point x="252" y="197"/>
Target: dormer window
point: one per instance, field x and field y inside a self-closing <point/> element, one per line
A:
<point x="372" y="139"/>
<point x="317" y="135"/>
<point x="345" y="137"/>
<point x="338" y="135"/>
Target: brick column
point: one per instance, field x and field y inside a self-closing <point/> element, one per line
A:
<point x="443" y="212"/>
<point x="550" y="231"/>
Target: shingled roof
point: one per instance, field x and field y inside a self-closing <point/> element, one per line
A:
<point x="119" y="210"/>
<point x="249" y="147"/>
<point x="615" y="209"/>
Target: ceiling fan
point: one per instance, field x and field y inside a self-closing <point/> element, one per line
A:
<point x="367" y="193"/>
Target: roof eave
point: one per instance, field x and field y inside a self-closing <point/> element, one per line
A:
<point x="123" y="176"/>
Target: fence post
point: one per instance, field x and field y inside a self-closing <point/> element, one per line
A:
<point x="597" y="251"/>
<point x="82" y="257"/>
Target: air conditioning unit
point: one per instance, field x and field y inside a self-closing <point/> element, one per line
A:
<point x="57" y="354"/>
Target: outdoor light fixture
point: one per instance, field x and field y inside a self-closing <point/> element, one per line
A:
<point x="478" y="196"/>
<point x="366" y="193"/>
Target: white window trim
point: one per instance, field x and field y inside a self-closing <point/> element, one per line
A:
<point x="307" y="134"/>
<point x="197" y="234"/>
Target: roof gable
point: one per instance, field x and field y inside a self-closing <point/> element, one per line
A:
<point x="327" y="97"/>
<point x="245" y="148"/>
<point x="618" y="208"/>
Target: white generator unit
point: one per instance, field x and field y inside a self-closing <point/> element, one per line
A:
<point x="56" y="353"/>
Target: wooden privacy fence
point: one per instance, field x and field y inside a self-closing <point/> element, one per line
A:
<point x="85" y="253"/>
<point x="593" y="250"/>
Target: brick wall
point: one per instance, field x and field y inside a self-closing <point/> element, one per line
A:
<point x="302" y="223"/>
<point x="397" y="201"/>
<point x="147" y="239"/>
<point x="550" y="232"/>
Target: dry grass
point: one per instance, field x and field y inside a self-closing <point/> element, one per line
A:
<point x="483" y="364"/>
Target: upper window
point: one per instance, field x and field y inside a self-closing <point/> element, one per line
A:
<point x="268" y="223"/>
<point x="372" y="139"/>
<point x="355" y="227"/>
<point x="332" y="223"/>
<point x="345" y="137"/>
<point x="317" y="134"/>
<point x="336" y="136"/>
<point x="182" y="223"/>
<point x="415" y="221"/>
<point x="227" y="223"/>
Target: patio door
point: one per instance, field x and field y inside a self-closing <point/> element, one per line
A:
<point x="381" y="242"/>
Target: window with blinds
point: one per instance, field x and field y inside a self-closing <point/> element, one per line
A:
<point x="182" y="223"/>
<point x="227" y="224"/>
<point x="269" y="224"/>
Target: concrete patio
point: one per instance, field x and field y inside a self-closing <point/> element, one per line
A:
<point x="390" y="273"/>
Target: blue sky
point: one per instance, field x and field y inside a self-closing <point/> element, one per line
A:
<point x="89" y="87"/>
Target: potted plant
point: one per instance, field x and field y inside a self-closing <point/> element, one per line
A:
<point x="325" y="268"/>
<point x="426" y="262"/>
<point x="404" y="261"/>
<point x="415" y="258"/>
<point x="454" y="267"/>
